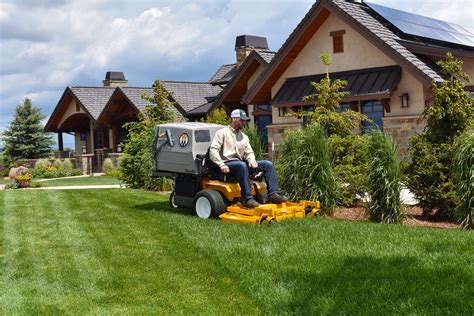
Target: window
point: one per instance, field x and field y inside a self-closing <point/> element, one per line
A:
<point x="374" y="111"/>
<point x="337" y="41"/>
<point x="282" y="111"/>
<point x="344" y="107"/>
<point x="202" y="136"/>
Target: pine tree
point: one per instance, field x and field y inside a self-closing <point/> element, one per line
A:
<point x="25" y="137"/>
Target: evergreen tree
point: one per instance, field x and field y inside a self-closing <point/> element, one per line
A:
<point x="25" y="137"/>
<point x="429" y="174"/>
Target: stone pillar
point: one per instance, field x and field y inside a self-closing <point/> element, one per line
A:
<point x="86" y="163"/>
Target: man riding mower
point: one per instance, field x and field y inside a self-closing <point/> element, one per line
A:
<point x="182" y="151"/>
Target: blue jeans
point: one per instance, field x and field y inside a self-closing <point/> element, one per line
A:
<point x="240" y="170"/>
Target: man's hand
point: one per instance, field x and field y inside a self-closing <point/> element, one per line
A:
<point x="253" y="165"/>
<point x="225" y="169"/>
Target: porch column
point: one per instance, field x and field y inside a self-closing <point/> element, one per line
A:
<point x="114" y="138"/>
<point x="91" y="137"/>
<point x="60" y="140"/>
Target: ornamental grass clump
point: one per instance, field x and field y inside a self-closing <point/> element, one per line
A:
<point x="304" y="167"/>
<point x="42" y="164"/>
<point x="384" y="179"/>
<point x="255" y="140"/>
<point x="463" y="167"/>
<point x="67" y="165"/>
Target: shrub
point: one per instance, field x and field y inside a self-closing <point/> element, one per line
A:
<point x="304" y="167"/>
<point x="42" y="164"/>
<point x="350" y="167"/>
<point x="255" y="140"/>
<point x="67" y="165"/>
<point x="137" y="160"/>
<point x="384" y="179"/>
<point x="429" y="174"/>
<point x="463" y="166"/>
<point x="58" y="164"/>
<point x="108" y="166"/>
<point x="217" y="116"/>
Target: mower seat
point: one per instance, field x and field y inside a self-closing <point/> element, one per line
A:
<point x="210" y="169"/>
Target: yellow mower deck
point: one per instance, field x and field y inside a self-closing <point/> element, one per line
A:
<point x="269" y="213"/>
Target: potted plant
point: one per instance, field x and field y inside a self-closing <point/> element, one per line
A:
<point x="24" y="179"/>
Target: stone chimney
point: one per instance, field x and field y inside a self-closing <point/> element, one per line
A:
<point x="115" y="79"/>
<point x="245" y="44"/>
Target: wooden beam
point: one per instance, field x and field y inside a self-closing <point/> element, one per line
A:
<point x="386" y="105"/>
<point x="60" y="140"/>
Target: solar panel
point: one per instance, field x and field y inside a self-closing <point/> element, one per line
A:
<point x="419" y="25"/>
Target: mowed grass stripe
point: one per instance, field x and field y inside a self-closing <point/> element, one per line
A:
<point x="129" y="260"/>
<point x="49" y="254"/>
<point x="325" y="266"/>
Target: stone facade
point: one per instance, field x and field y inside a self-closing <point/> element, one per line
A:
<point x="401" y="129"/>
<point x="276" y="132"/>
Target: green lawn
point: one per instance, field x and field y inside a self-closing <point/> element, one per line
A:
<point x="125" y="251"/>
<point x="98" y="180"/>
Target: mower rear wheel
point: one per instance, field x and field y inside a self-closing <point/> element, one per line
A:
<point x="172" y="197"/>
<point x="209" y="204"/>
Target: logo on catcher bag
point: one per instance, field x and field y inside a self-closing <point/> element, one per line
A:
<point x="183" y="140"/>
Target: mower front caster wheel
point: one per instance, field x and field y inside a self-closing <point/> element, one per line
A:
<point x="209" y="204"/>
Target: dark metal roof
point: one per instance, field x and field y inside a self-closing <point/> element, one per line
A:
<point x="364" y="82"/>
<point x="224" y="74"/>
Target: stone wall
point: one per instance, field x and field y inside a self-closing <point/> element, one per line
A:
<point x="276" y="132"/>
<point x="401" y="128"/>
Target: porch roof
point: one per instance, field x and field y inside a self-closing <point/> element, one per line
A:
<point x="377" y="82"/>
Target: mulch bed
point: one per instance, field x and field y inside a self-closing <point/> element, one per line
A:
<point x="414" y="217"/>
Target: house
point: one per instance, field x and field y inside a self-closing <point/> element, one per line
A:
<point x="387" y="56"/>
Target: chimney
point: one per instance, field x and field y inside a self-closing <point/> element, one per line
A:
<point x="245" y="44"/>
<point x="115" y="79"/>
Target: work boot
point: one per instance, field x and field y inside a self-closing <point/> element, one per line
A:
<point x="251" y="203"/>
<point x="275" y="198"/>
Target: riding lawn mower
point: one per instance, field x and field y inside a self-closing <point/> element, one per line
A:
<point x="181" y="150"/>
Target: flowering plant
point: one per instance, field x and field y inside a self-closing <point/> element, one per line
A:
<point x="24" y="177"/>
<point x="51" y="168"/>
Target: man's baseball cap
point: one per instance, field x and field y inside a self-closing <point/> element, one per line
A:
<point x="239" y="114"/>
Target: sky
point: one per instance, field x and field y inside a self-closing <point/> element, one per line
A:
<point x="47" y="45"/>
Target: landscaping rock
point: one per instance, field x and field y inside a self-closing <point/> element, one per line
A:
<point x="16" y="171"/>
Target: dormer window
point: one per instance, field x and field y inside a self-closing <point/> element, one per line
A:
<point x="337" y="41"/>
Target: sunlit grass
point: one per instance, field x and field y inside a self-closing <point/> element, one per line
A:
<point x="125" y="251"/>
<point x="96" y="180"/>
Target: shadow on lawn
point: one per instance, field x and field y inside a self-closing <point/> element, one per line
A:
<point x="162" y="206"/>
<point x="364" y="285"/>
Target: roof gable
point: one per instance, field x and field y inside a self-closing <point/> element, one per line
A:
<point x="356" y="16"/>
<point x="237" y="87"/>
